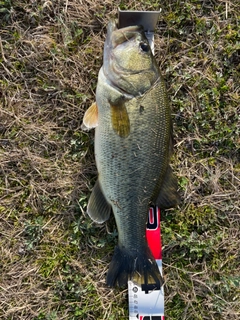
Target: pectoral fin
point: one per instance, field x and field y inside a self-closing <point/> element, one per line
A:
<point x="90" y="119"/>
<point x="168" y="196"/>
<point x="98" y="208"/>
<point x="120" y="120"/>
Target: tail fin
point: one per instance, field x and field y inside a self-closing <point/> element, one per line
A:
<point x="139" y="267"/>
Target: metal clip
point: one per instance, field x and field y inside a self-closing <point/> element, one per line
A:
<point x="148" y="19"/>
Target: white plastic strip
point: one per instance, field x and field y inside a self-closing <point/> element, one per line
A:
<point x="145" y="305"/>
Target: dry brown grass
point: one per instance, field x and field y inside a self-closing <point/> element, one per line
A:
<point x="53" y="260"/>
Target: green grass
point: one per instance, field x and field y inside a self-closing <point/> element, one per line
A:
<point x="53" y="259"/>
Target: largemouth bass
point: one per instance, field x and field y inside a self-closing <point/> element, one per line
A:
<point x="133" y="144"/>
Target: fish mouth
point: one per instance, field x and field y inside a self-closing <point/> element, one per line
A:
<point x="115" y="37"/>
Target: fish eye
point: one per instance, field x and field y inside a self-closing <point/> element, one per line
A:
<point x="144" y="46"/>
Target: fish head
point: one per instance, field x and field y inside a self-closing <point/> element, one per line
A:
<point x="128" y="60"/>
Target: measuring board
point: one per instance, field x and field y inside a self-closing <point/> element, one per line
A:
<point x="145" y="303"/>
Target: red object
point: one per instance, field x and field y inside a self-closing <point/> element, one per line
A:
<point x="153" y="232"/>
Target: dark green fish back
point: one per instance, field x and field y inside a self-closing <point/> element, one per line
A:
<point x="131" y="172"/>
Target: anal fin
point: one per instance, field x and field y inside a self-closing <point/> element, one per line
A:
<point x="168" y="196"/>
<point x="98" y="208"/>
